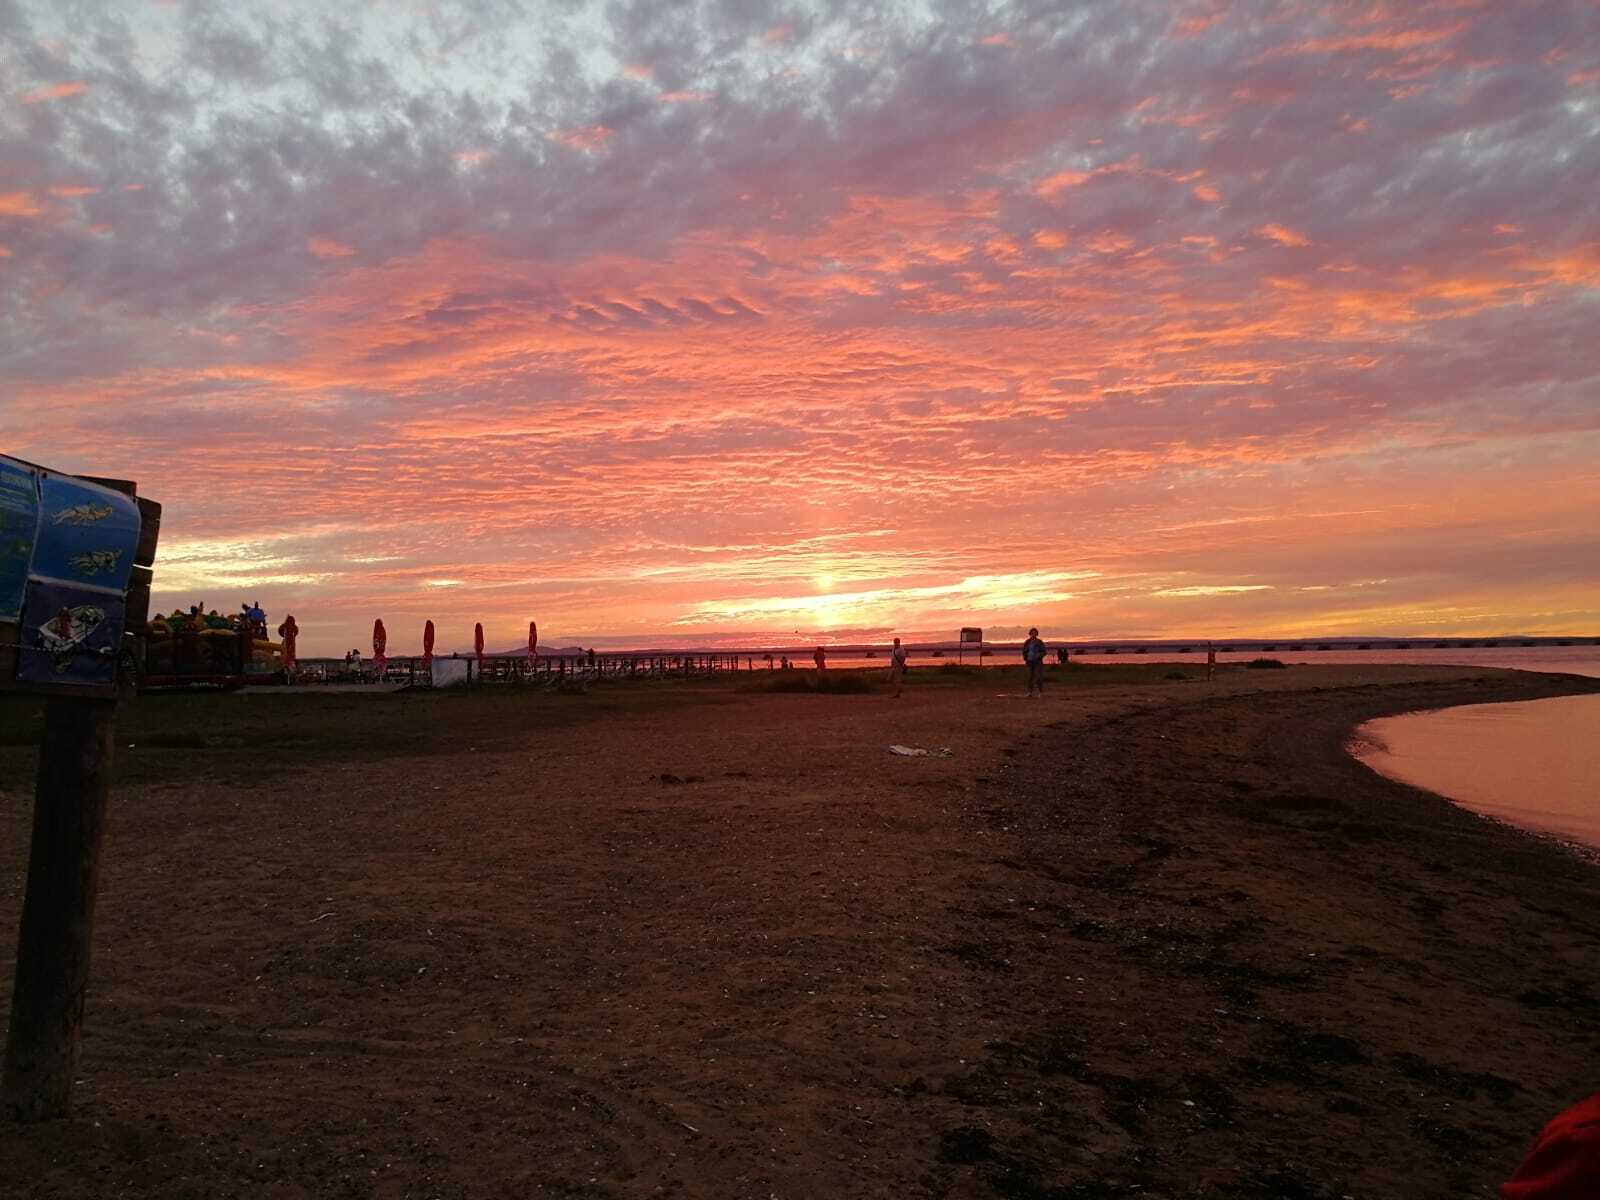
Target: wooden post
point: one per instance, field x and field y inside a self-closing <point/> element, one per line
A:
<point x="69" y="810"/>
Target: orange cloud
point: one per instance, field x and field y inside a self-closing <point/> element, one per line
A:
<point x="802" y="393"/>
<point x="70" y="190"/>
<point x="1402" y="39"/>
<point x="1059" y="182"/>
<point x="55" y="91"/>
<point x="1283" y="235"/>
<point x="19" y="204"/>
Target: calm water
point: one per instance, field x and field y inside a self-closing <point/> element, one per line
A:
<point x="1535" y="763"/>
<point x="1569" y="660"/>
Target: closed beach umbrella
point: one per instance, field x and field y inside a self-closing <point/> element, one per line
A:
<point x="477" y="642"/>
<point x="380" y="644"/>
<point x="427" y="644"/>
<point x="288" y="632"/>
<point x="533" y="639"/>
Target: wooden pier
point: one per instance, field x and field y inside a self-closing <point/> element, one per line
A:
<point x="572" y="669"/>
<point x="550" y="671"/>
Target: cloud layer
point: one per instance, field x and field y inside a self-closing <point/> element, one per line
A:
<point x="739" y="318"/>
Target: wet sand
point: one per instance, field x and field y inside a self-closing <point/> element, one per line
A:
<point x="1164" y="940"/>
<point x="1535" y="764"/>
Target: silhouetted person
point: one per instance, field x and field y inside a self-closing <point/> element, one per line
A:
<point x="1033" y="652"/>
<point x="821" y="659"/>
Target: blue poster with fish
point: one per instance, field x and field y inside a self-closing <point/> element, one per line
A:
<point x="87" y="534"/>
<point x="19" y="523"/>
<point x="70" y="635"/>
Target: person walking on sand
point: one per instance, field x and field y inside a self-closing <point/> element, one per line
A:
<point x="821" y="659"/>
<point x="1033" y="652"/>
<point x="897" y="667"/>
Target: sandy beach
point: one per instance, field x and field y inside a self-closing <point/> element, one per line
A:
<point x="1145" y="937"/>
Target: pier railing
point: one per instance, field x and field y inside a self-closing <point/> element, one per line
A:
<point x="551" y="671"/>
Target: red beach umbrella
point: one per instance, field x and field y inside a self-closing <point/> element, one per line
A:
<point x="427" y="644"/>
<point x="477" y="642"/>
<point x="380" y="643"/>
<point x="533" y="639"/>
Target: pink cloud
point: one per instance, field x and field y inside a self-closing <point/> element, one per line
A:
<point x="323" y="247"/>
<point x="587" y="137"/>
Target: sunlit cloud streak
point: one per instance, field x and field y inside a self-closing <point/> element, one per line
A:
<point x="727" y="321"/>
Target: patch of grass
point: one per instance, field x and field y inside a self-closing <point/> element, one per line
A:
<point x="255" y="736"/>
<point x="827" y="683"/>
<point x="245" y="738"/>
<point x="1266" y="664"/>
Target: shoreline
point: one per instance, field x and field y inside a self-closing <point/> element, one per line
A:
<point x="1146" y="938"/>
<point x="1328" y="970"/>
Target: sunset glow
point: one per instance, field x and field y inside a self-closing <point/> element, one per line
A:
<point x="709" y="322"/>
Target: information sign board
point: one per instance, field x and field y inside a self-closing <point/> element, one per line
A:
<point x="69" y="549"/>
<point x="971" y="635"/>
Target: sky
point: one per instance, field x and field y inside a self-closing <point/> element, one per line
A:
<point x="684" y="323"/>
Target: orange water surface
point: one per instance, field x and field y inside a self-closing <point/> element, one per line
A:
<point x="1535" y="763"/>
